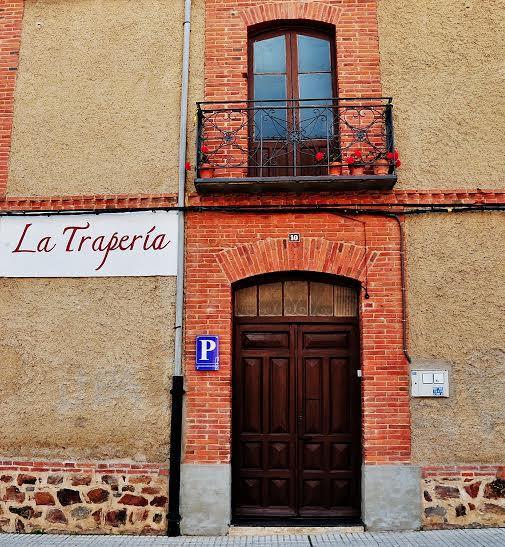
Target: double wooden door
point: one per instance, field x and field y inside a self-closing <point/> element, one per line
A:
<point x="296" y="419"/>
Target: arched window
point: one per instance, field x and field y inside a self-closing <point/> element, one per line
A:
<point x="292" y="81"/>
<point x="296" y="296"/>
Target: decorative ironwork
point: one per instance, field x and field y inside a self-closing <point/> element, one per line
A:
<point x="293" y="137"/>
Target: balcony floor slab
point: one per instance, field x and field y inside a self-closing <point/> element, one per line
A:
<point x="257" y="185"/>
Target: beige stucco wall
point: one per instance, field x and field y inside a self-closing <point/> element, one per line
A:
<point x="196" y="82"/>
<point x="86" y="368"/>
<point x="457" y="320"/>
<point x="444" y="65"/>
<point x="97" y="97"/>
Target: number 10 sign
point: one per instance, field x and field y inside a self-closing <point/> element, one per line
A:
<point x="207" y="352"/>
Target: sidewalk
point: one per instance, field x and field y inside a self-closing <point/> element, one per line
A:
<point x="491" y="537"/>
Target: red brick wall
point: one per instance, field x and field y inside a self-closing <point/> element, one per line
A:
<point x="225" y="247"/>
<point x="356" y="41"/>
<point x="11" y="15"/>
<point x="396" y="199"/>
<point x="226" y="65"/>
<point x="463" y="471"/>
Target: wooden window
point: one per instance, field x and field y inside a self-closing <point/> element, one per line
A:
<point x="291" y="298"/>
<point x="292" y="81"/>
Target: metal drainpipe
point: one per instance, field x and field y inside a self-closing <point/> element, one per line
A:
<point x="404" y="286"/>
<point x="174" y="481"/>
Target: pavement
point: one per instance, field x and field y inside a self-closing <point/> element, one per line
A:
<point x="489" y="537"/>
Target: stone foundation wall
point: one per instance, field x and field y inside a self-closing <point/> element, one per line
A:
<point x="463" y="497"/>
<point x="85" y="498"/>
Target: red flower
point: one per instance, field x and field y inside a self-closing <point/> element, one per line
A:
<point x="351" y="160"/>
<point x="398" y="163"/>
<point x="205" y="149"/>
<point x="188" y="166"/>
<point x="357" y="154"/>
<point x="395" y="154"/>
<point x="320" y="156"/>
<point x="390" y="156"/>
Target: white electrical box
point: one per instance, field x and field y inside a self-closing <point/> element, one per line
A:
<point x="430" y="383"/>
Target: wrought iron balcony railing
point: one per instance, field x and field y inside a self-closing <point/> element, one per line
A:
<point x="296" y="140"/>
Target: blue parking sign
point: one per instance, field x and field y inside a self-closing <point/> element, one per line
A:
<point x="207" y="352"/>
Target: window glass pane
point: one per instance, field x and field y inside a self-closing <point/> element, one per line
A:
<point x="270" y="299"/>
<point x="321" y="299"/>
<point x="315" y="86"/>
<point x="296" y="298"/>
<point x="270" y="119"/>
<point x="270" y="55"/>
<point x="269" y="87"/>
<point x="315" y="123"/>
<point x="270" y="123"/>
<point x="246" y="302"/>
<point x="313" y="54"/>
<point x="345" y="302"/>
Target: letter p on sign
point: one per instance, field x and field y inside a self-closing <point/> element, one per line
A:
<point x="207" y="352"/>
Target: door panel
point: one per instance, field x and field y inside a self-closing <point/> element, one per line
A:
<point x="296" y="420"/>
<point x="326" y="393"/>
<point x="339" y="409"/>
<point x="279" y="370"/>
<point x="252" y="410"/>
<point x="268" y="399"/>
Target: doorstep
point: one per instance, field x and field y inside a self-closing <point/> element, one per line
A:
<point x="292" y="530"/>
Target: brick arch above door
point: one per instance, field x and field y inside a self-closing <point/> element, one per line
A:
<point x="311" y="254"/>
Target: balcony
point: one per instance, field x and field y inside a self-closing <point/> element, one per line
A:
<point x="295" y="145"/>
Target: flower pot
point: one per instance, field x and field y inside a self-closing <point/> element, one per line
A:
<point x="206" y="171"/>
<point x="356" y="170"/>
<point x="381" y="167"/>
<point x="335" y="168"/>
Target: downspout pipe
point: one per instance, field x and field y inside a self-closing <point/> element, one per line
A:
<point x="403" y="275"/>
<point x="174" y="481"/>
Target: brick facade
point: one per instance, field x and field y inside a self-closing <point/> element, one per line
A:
<point x="228" y="22"/>
<point x="11" y="16"/>
<point x="399" y="199"/>
<point x="226" y="247"/>
<point x="222" y="249"/>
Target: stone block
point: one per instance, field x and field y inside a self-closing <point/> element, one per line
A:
<point x="66" y="496"/>
<point x="56" y="516"/>
<point x="391" y="497"/>
<point x="26" y="479"/>
<point x="98" y="495"/>
<point x="44" y="498"/>
<point x="205" y="499"/>
<point x="130" y="499"/>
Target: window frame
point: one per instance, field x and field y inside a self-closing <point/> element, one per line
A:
<point x="291" y="29"/>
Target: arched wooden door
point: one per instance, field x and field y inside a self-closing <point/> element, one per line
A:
<point x="296" y="401"/>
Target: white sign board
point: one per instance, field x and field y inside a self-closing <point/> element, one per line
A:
<point x="89" y="245"/>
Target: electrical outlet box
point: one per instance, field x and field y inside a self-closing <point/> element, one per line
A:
<point x="429" y="383"/>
